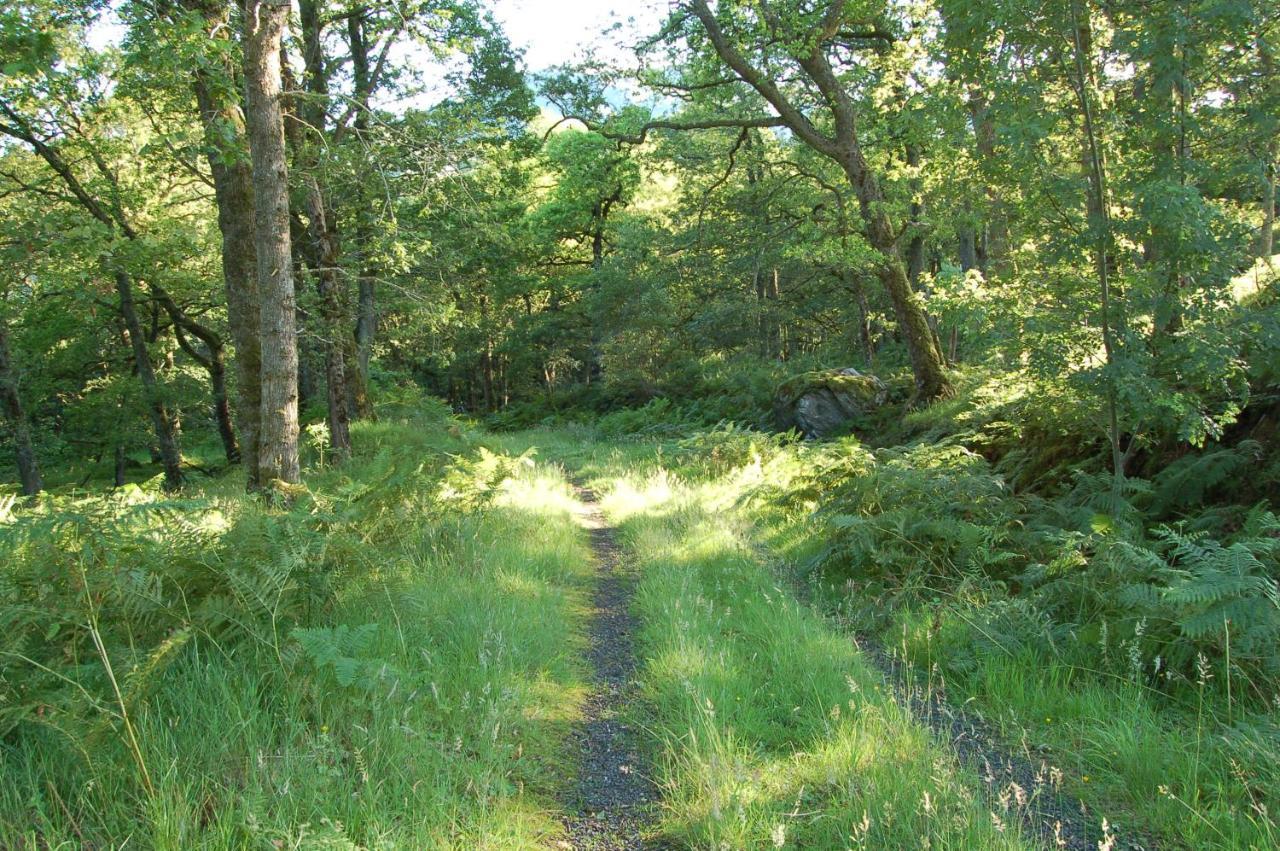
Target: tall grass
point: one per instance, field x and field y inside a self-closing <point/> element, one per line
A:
<point x="1114" y="649"/>
<point x="771" y="731"/>
<point x="392" y="662"/>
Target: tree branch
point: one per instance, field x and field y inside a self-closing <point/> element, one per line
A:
<point x="794" y="118"/>
<point x="665" y="124"/>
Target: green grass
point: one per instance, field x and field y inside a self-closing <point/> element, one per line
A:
<point x="433" y="720"/>
<point x="1186" y="773"/>
<point x="1184" y="765"/>
<point x="770" y="729"/>
<point x="395" y="662"/>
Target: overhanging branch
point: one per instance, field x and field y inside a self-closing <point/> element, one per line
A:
<point x="664" y="124"/>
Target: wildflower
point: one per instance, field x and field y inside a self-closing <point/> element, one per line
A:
<point x="779" y="835"/>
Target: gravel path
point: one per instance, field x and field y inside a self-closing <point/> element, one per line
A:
<point x="610" y="803"/>
<point x="1020" y="785"/>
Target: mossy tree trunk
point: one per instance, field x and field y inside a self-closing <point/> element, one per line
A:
<point x="232" y="172"/>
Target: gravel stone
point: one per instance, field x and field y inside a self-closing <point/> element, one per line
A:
<point x="611" y="803"/>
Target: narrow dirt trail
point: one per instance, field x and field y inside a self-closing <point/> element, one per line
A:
<point x="609" y="805"/>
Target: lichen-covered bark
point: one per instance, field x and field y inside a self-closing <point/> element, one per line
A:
<point x="278" y="436"/>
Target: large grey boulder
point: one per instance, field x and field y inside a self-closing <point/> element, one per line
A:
<point x="823" y="402"/>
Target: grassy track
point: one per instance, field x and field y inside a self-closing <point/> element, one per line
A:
<point x="770" y="730"/>
<point x="430" y="701"/>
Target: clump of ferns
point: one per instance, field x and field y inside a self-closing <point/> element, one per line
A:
<point x="931" y="516"/>
<point x="1199" y="598"/>
<point x="99" y="596"/>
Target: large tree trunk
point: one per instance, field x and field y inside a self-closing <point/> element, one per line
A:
<point x="913" y="323"/>
<point x="161" y="419"/>
<point x="278" y="436"/>
<point x="844" y="149"/>
<point x="320" y="239"/>
<point x="233" y="191"/>
<point x="11" y="404"/>
<point x="328" y="284"/>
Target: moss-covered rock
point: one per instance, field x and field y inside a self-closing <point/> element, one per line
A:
<point x="823" y="402"/>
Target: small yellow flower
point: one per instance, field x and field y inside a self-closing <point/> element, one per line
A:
<point x="1085" y="778"/>
<point x="324" y="728"/>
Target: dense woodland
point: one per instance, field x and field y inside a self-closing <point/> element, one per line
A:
<point x="304" y="308"/>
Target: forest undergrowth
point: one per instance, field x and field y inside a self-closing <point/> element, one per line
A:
<point x="1125" y="640"/>
<point x="388" y="662"/>
<point x="393" y="658"/>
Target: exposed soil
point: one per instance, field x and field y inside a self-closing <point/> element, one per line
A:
<point x="614" y="794"/>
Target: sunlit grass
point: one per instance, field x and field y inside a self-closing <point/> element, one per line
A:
<point x="767" y="726"/>
<point x="1188" y="772"/>
<point x="1123" y="748"/>
<point x="771" y="730"/>
<point x="450" y="737"/>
